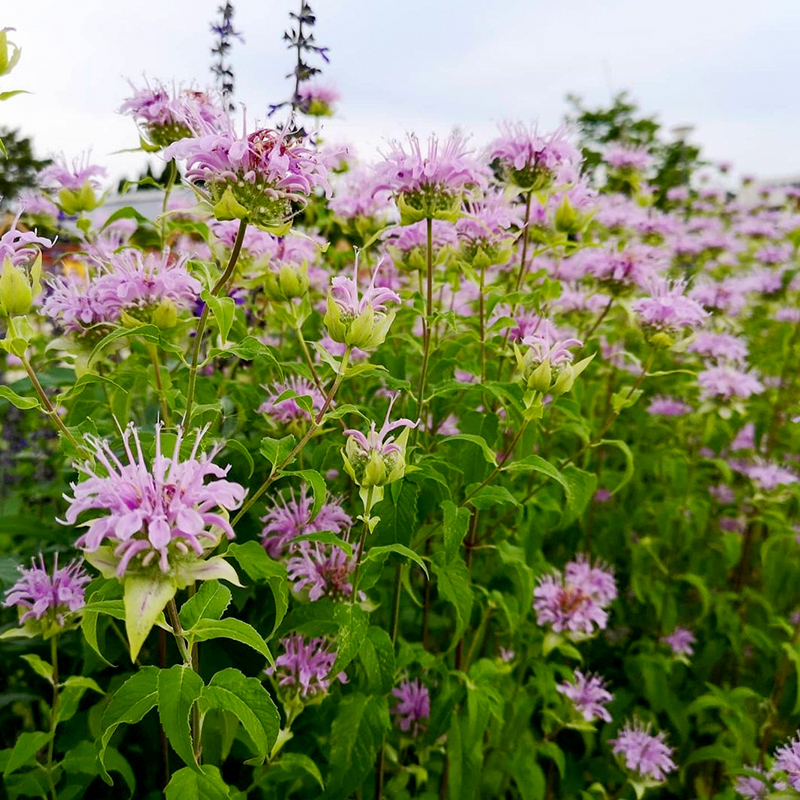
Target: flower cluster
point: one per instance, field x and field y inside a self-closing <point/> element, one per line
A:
<point x="304" y="668"/>
<point x="645" y="754"/>
<point x="414" y="707"/>
<point x="40" y="594"/>
<point x="575" y="602"/>
<point x="589" y="696"/>
<point x="155" y="515"/>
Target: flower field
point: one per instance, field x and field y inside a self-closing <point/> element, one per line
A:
<point x="469" y="471"/>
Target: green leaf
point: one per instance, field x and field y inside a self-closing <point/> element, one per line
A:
<point x="582" y="488"/>
<point x="356" y="734"/>
<point x="25" y="750"/>
<point x="398" y="513"/>
<point x="230" y="629"/>
<point x="137" y="696"/>
<point x="210" y="601"/>
<point x="205" y="784"/>
<point x="538" y="464"/>
<point x="178" y="689"/>
<point x="223" y="310"/>
<point x="249" y="349"/>
<point x="380" y="552"/>
<point x="455" y="525"/>
<point x="249" y="701"/>
<point x="255" y="561"/>
<point x="326" y="537"/>
<point x="488" y="453"/>
<point x="626" y="451"/>
<point x="453" y="583"/>
<point x="145" y="598"/>
<point x="377" y="658"/>
<point x="318" y="487"/>
<point x="235" y="444"/>
<point x="18" y="400"/>
<point x="127" y="212"/>
<point x="72" y="691"/>
<point x="353" y="623"/>
<point x="490" y="496"/>
<point x="294" y="763"/>
<point x="148" y="332"/>
<point x="277" y="450"/>
<point x="39" y="666"/>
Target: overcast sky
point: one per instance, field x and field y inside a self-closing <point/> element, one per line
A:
<point x="729" y="67"/>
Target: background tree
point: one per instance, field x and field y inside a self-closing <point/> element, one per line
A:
<point x="19" y="168"/>
<point x="623" y="122"/>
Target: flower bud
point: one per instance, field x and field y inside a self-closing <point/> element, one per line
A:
<point x="290" y="281"/>
<point x="78" y="201"/>
<point x="165" y="315"/>
<point x="17" y="289"/>
<point x="9" y="52"/>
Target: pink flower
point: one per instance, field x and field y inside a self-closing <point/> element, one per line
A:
<point x="681" y="641"/>
<point x="324" y="570"/>
<point x="305" y="666"/>
<point x="167" y="116"/>
<point x="575" y="602"/>
<point x="625" y="157"/>
<point x="647" y="755"/>
<point x="20" y="247"/>
<point x="719" y="346"/>
<point x="289" y="518"/>
<point x="430" y="184"/>
<point x="665" y="406"/>
<point x="61" y="175"/>
<point x="288" y="410"/>
<point x="726" y="382"/>
<point x="532" y="161"/>
<point x="589" y="696"/>
<point x="787" y="760"/>
<point x="155" y="512"/>
<point x="667" y="308"/>
<point x="38" y="593"/>
<point x="414" y="708"/>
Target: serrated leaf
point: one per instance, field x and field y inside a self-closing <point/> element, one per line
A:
<point x="317" y="484"/>
<point x="353" y="623"/>
<point x="325" y="537"/>
<point x="488" y="453"/>
<point x="490" y="496"/>
<point x="223" y="310"/>
<point x="25" y="749"/>
<point x="455" y="524"/>
<point x="39" y="666"/>
<point x="294" y="763"/>
<point x="401" y="550"/>
<point x="377" y="658"/>
<point x="255" y="561"/>
<point x="137" y="696"/>
<point x="453" y="584"/>
<point x="536" y="463"/>
<point x="178" y="689"/>
<point x="249" y="701"/>
<point x="277" y="450"/>
<point x="230" y="628"/>
<point x="210" y="601"/>
<point x="148" y="332"/>
<point x="203" y="784"/>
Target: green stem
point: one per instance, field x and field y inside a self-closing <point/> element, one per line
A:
<point x="523" y="266"/>
<point x="396" y="602"/>
<point x="53" y="719"/>
<point x="151" y="349"/>
<point x="315" y="424"/>
<point x="427" y="322"/>
<point x="51" y="412"/>
<point x="362" y="543"/>
<point x="221" y="284"/>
